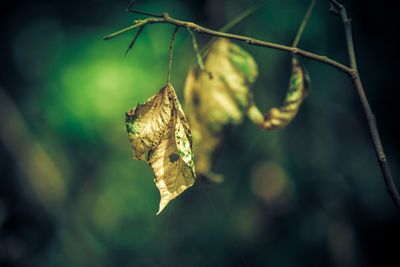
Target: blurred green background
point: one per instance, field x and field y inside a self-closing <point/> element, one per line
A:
<point x="309" y="195"/>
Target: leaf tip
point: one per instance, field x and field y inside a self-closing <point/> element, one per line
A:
<point x="161" y="208"/>
<point x="163" y="203"/>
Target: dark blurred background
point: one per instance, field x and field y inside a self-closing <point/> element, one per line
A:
<point x="309" y="195"/>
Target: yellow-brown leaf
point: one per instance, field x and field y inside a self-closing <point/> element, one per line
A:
<point x="160" y="134"/>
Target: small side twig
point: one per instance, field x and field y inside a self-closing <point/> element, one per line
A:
<point x="196" y="50"/>
<point x="171" y="49"/>
<point x="199" y="58"/>
<point x="135" y="24"/>
<point x="233" y="22"/>
<point x="134" y="40"/>
<point x="355" y="77"/>
<point x="304" y="23"/>
<point x="129" y="9"/>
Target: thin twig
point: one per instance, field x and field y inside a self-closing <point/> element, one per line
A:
<point x="304" y="23"/>
<point x="134" y="40"/>
<point x="233" y="22"/>
<point x="196" y="50"/>
<point x="129" y="9"/>
<point x="135" y="24"/>
<point x="236" y="20"/>
<point x="251" y="41"/>
<point x="171" y="49"/>
<point x="348" y="33"/>
<point x="387" y="175"/>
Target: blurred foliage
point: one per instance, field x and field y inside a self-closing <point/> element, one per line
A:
<point x="309" y="195"/>
<point x="217" y="96"/>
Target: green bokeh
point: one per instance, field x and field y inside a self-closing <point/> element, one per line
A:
<point x="292" y="197"/>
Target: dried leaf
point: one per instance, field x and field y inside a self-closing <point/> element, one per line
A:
<point x="217" y="97"/>
<point x="160" y="134"/>
<point x="278" y="118"/>
<point x="204" y="140"/>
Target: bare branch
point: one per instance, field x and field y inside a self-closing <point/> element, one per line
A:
<point x="171" y="49"/>
<point x="304" y="23"/>
<point x="136" y="24"/>
<point x="233" y="22"/>
<point x="134" y="39"/>
<point x="355" y="77"/>
<point x="129" y="9"/>
<point x="196" y="50"/>
<point x="251" y="41"/>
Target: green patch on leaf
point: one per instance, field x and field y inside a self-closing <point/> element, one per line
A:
<point x="173" y="157"/>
